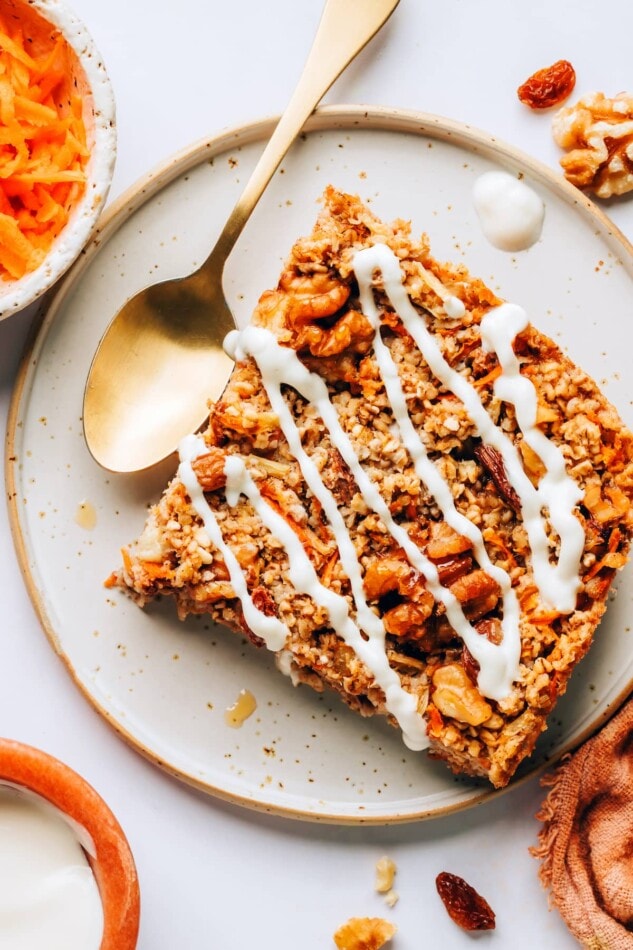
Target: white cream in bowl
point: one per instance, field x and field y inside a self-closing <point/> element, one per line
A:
<point x="48" y="892"/>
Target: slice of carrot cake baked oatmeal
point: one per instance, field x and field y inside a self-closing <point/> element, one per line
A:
<point x="406" y="491"/>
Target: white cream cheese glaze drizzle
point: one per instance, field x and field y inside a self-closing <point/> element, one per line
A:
<point x="401" y="704"/>
<point x="272" y="631"/>
<point x="558" y="493"/>
<point x="557" y="582"/>
<point x="279" y="366"/>
<point x="304" y="578"/>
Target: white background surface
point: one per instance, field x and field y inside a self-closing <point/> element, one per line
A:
<point x="214" y="876"/>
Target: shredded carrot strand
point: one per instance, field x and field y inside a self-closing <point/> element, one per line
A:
<point x="611" y="558"/>
<point x="488" y="378"/>
<point x="43" y="149"/>
<point x="545" y="619"/>
<point x="155" y="571"/>
<point x="491" y="537"/>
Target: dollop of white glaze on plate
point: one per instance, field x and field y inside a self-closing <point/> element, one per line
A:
<point x="511" y="214"/>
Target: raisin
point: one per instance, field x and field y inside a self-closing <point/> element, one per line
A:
<point x="470" y="664"/>
<point x="464" y="905"/>
<point x="263" y="601"/>
<point x="491" y="629"/>
<point x="547" y="87"/>
<point x="451" y="568"/>
<point x="492" y="461"/>
<point x="248" y="633"/>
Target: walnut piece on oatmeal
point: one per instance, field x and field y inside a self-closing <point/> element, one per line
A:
<point x="597" y="133"/>
<point x="364" y="933"/>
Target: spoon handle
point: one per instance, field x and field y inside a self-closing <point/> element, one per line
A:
<point x="346" y="27"/>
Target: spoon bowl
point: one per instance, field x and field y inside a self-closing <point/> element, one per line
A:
<point x="155" y="370"/>
<point x="161" y="360"/>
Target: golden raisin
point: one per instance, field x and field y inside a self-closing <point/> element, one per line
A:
<point x="547" y="87"/>
<point x="468" y="909"/>
<point x="470" y="664"/>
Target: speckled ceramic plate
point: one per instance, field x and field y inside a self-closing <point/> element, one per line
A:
<point x="165" y="685"/>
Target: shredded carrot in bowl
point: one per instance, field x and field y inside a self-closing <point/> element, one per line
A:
<point x="43" y="150"/>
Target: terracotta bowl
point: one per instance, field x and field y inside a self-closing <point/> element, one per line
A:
<point x="40" y="20"/>
<point x="113" y="864"/>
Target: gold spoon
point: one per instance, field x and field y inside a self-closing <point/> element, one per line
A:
<point x="161" y="359"/>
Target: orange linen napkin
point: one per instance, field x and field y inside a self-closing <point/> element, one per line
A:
<point x="586" y="842"/>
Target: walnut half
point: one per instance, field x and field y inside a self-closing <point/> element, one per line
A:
<point x="455" y="695"/>
<point x="364" y="933"/>
<point x="598" y="135"/>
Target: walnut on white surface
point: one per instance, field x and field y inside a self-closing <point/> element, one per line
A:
<point x="385" y="874"/>
<point x="598" y="135"/>
<point x="364" y="933"/>
<point x="391" y="898"/>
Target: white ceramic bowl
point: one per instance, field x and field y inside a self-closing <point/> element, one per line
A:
<point x="89" y="75"/>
